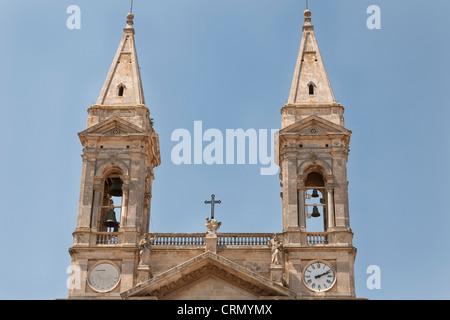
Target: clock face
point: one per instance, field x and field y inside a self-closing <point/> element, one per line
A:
<point x="104" y="277"/>
<point x="319" y="276"/>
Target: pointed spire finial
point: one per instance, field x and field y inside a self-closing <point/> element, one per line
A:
<point x="307" y="14"/>
<point x="307" y="25"/>
<point x="130" y="18"/>
<point x="310" y="83"/>
<point x="123" y="85"/>
<point x="129" y="27"/>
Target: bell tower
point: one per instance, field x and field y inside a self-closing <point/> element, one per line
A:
<point x="120" y="152"/>
<point x="313" y="152"/>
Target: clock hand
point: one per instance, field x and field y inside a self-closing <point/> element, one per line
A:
<point x="318" y="276"/>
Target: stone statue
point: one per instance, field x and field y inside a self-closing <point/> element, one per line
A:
<point x="276" y="246"/>
<point x="145" y="247"/>
<point x="212" y="226"/>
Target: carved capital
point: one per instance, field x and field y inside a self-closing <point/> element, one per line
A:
<point x="98" y="187"/>
<point x="125" y="187"/>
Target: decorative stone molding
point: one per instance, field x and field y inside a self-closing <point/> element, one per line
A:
<point x="210" y="269"/>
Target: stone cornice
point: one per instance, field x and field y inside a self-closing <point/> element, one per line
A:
<point x="208" y="264"/>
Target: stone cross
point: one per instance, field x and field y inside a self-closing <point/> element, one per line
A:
<point x="212" y="202"/>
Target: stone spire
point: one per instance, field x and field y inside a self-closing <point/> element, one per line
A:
<point x="123" y="85"/>
<point x="310" y="83"/>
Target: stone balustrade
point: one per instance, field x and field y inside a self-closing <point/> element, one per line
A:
<point x="198" y="239"/>
<point x="107" y="238"/>
<point x="243" y="239"/>
<point x="178" y="239"/>
<point x="317" y="238"/>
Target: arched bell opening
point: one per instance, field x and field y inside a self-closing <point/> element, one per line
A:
<point x="112" y="203"/>
<point x="311" y="88"/>
<point x="315" y="203"/>
<point x="121" y="90"/>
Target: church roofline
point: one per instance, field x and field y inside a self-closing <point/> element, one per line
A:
<point x="207" y="264"/>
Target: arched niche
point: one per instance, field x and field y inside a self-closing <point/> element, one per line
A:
<point x="315" y="205"/>
<point x="113" y="177"/>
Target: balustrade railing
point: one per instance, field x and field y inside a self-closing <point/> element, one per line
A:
<point x="107" y="238"/>
<point x="178" y="239"/>
<point x="243" y="239"/>
<point x="317" y="238"/>
<point x="198" y="239"/>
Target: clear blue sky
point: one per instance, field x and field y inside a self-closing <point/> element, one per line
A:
<point x="230" y="64"/>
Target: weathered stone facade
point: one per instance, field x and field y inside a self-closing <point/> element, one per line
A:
<point x="119" y="259"/>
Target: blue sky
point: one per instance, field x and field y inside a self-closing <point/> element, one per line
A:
<point x="230" y="64"/>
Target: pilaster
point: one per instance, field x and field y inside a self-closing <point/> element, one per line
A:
<point x="290" y="192"/>
<point x="86" y="193"/>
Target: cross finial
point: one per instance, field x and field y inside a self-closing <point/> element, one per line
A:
<point x="212" y="202"/>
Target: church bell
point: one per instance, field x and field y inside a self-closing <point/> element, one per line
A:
<point x="116" y="188"/>
<point x="110" y="220"/>
<point x="315" y="194"/>
<point x="315" y="213"/>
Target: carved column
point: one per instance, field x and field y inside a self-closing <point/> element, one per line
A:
<point x="301" y="205"/>
<point x="330" y="205"/>
<point x="124" y="209"/>
<point x="290" y="192"/>
<point x="340" y="194"/>
<point x="97" y="206"/>
<point x="86" y="193"/>
<point x="146" y="217"/>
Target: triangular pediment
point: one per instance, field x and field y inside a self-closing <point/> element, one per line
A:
<point x="200" y="273"/>
<point x="113" y="126"/>
<point x="212" y="286"/>
<point x="314" y="125"/>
